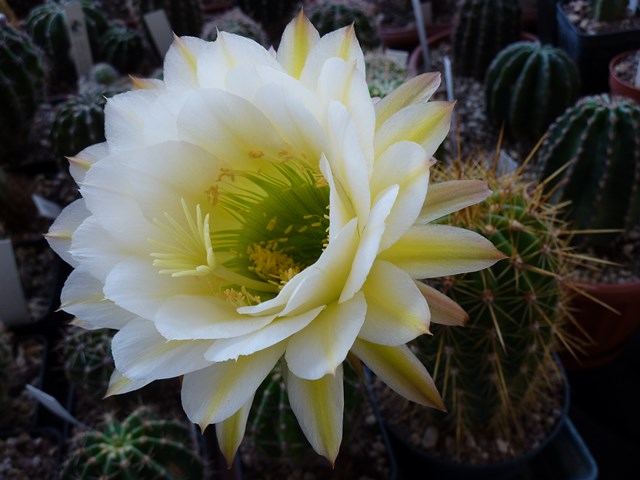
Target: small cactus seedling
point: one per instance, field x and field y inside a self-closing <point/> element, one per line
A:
<point x="238" y="22"/>
<point x="21" y="88"/>
<point x="609" y="9"/>
<point x="591" y="158"/>
<point x="330" y="15"/>
<point x="143" y="445"/>
<point x="384" y="73"/>
<point x="483" y="28"/>
<point x="527" y="86"/>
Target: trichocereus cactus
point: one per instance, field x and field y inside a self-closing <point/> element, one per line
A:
<point x="527" y="86"/>
<point x="385" y="73"/>
<point x="273" y="15"/>
<point x="142" y="445"/>
<point x="88" y="363"/>
<point x="481" y="29"/>
<point x="123" y="48"/>
<point x="47" y="25"/>
<point x="22" y="88"/>
<point x="330" y="15"/>
<point x="591" y="157"/>
<point x="494" y="371"/>
<point x="185" y="16"/>
<point x="235" y="21"/>
<point x="609" y="9"/>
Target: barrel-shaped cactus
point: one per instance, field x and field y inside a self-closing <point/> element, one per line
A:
<point x="330" y="15"/>
<point x="123" y="48"/>
<point x="609" y="9"/>
<point x="47" y="25"/>
<point x="491" y="370"/>
<point x="22" y="87"/>
<point x="597" y="145"/>
<point x="483" y="28"/>
<point x="235" y="21"/>
<point x="143" y="445"/>
<point x="185" y="16"/>
<point x="527" y="86"/>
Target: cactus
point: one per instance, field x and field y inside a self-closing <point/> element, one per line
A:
<point x="185" y="16"/>
<point x="492" y="370"/>
<point x="22" y="83"/>
<point x="483" y="28"/>
<point x="597" y="141"/>
<point x="119" y="9"/>
<point x="47" y="25"/>
<point x="87" y="359"/>
<point x="527" y="86"/>
<point x="273" y="15"/>
<point x="609" y="9"/>
<point x="384" y="73"/>
<point x="329" y="15"/>
<point x="140" y="446"/>
<point x="123" y="48"/>
<point x="238" y="22"/>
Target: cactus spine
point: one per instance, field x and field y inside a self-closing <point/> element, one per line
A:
<point x="21" y="88"/>
<point x="123" y="48"/>
<point x="384" y="73"/>
<point x="609" y="9"/>
<point x="527" y="86"/>
<point x="185" y="16"/>
<point x="597" y="140"/>
<point x="140" y="446"/>
<point x="47" y="25"/>
<point x="482" y="29"/>
<point x="330" y="15"/>
<point x="238" y="22"/>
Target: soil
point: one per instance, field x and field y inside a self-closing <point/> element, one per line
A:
<point x="579" y="14"/>
<point x="29" y="455"/>
<point x="627" y="67"/>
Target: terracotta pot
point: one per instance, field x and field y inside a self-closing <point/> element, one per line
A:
<point x="618" y="86"/>
<point x="610" y="330"/>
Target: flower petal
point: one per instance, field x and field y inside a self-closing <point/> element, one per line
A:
<point x="401" y="370"/>
<point x="339" y="212"/>
<point x="230" y="432"/>
<point x="447" y="197"/>
<point x="428" y="251"/>
<point x="444" y="310"/>
<point x="80" y="163"/>
<point x="61" y="231"/>
<point x="181" y="64"/>
<point x="213" y="394"/>
<point x="318" y="349"/>
<point x="298" y="39"/>
<point x="417" y="89"/>
<point x="119" y="384"/>
<point x="319" y="405"/>
<point x="396" y="311"/>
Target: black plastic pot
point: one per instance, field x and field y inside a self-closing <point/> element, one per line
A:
<point x="592" y="53"/>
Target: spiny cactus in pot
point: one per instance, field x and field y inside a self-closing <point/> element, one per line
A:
<point x="47" y="26"/>
<point x="143" y="445"/>
<point x="498" y="372"/>
<point x="384" y="73"/>
<point x="235" y="21"/>
<point x="123" y="47"/>
<point x="591" y="158"/>
<point x="527" y="86"/>
<point x="481" y="29"/>
<point x="22" y="88"/>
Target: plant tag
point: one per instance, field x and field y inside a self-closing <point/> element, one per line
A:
<point x="160" y="31"/>
<point x="427" y="12"/>
<point x="46" y="208"/>
<point x="633" y="6"/>
<point x="13" y="307"/>
<point x="79" y="38"/>
<point x="51" y="404"/>
<point x="401" y="57"/>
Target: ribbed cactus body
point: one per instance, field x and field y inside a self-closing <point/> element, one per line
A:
<point x="483" y="28"/>
<point x="123" y="48"/>
<point x="527" y="86"/>
<point x="78" y="123"/>
<point x="609" y="9"/>
<point x="598" y="141"/>
<point x="185" y="16"/>
<point x="21" y="88"/>
<point x="238" y="22"/>
<point x="140" y="446"/>
<point x="330" y="15"/>
<point x="87" y="360"/>
<point x="47" y="25"/>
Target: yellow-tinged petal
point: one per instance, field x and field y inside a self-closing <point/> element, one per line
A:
<point x="298" y="39"/>
<point x="180" y="62"/>
<point x="80" y="163"/>
<point x="428" y="251"/>
<point x="401" y="370"/>
<point x="447" y="197"/>
<point x="119" y="384"/>
<point x="415" y="90"/>
<point x="229" y="432"/>
<point x="424" y="123"/>
<point x="63" y="227"/>
<point x="146" y="83"/>
<point x="444" y="311"/>
<point x="318" y="405"/>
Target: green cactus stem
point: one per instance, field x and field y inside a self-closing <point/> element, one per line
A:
<point x="591" y="158"/>
<point x="123" y="48"/>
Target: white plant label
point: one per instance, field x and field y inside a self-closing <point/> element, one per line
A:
<point x="633" y="6"/>
<point x="401" y="57"/>
<point x="13" y="307"/>
<point x="159" y="30"/>
<point x="46" y="208"/>
<point x="79" y="38"/>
